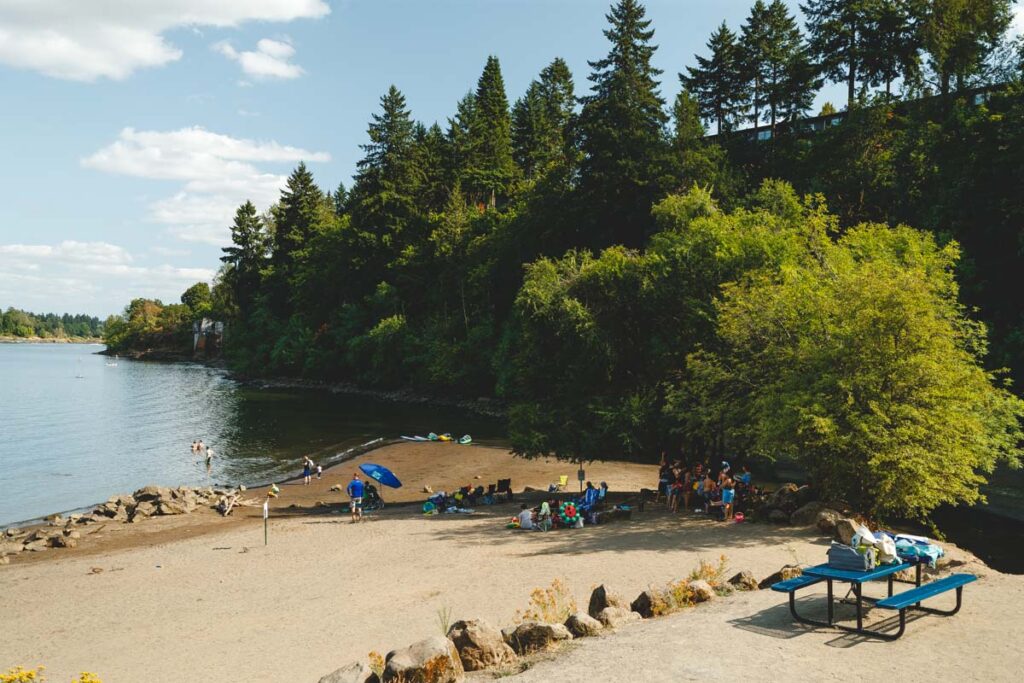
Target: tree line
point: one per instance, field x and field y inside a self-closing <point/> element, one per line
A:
<point x="628" y="284"/>
<point x="22" y="324"/>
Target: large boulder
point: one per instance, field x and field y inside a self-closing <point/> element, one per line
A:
<point x="10" y="548"/>
<point x="432" y="660"/>
<point x="143" y="510"/>
<point x="789" y="571"/>
<point x="647" y="604"/>
<point x="701" y="590"/>
<point x="355" y="672"/>
<point x="152" y="493"/>
<point x="533" y="636"/>
<point x="614" y="617"/>
<point x="808" y="514"/>
<point x="480" y="645"/>
<point x="582" y="625"/>
<point x="845" y="529"/>
<point x="744" y="581"/>
<point x="169" y="506"/>
<point x="826" y="521"/>
<point x="778" y="516"/>
<point x="602" y="598"/>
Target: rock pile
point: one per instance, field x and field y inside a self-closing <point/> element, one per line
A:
<point x="149" y="501"/>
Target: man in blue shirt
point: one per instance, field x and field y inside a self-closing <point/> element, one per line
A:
<point x="355" y="493"/>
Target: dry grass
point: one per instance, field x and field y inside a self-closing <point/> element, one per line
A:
<point x="549" y="605"/>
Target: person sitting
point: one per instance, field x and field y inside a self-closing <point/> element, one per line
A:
<point x="602" y="491"/>
<point x="525" y="517"/>
<point x="544" y="517"/>
<point x="589" y="498"/>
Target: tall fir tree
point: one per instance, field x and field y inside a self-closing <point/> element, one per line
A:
<point x="432" y="154"/>
<point x="786" y="69"/>
<point x="625" y="163"/>
<point x="558" y="91"/>
<point x="388" y="176"/>
<point x="717" y="82"/>
<point x="542" y="118"/>
<point x="755" y="46"/>
<point x="959" y="35"/>
<point x="340" y="200"/>
<point x="460" y="139"/>
<point x="893" y="43"/>
<point x="839" y="40"/>
<point x="491" y="170"/>
<point x="246" y="256"/>
<point x="529" y="128"/>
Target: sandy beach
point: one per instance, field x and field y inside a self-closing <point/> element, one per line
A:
<point x="197" y="597"/>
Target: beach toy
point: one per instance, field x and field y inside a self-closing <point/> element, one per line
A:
<point x="429" y="508"/>
<point x="514" y="524"/>
<point x="739" y="517"/>
<point x="568" y="513"/>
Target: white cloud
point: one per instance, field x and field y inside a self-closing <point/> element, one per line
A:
<point x="1018" y="19"/>
<point x="218" y="173"/>
<point x="83" y="41"/>
<point x="269" y="60"/>
<point x="91" y="277"/>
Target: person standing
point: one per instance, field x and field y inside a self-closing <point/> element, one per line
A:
<point x="355" y="494"/>
<point x="307" y="470"/>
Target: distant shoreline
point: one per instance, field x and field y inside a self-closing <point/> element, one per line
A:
<point x="50" y="340"/>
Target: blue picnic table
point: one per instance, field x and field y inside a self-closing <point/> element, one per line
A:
<point x="910" y="599"/>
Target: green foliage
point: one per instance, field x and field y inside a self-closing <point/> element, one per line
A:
<point x="718" y="81"/>
<point x="18" y="323"/>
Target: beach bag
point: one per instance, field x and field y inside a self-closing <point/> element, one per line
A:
<point x="886" y="550"/>
<point x="846" y="557"/>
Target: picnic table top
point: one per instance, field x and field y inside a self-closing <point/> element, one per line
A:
<point x="826" y="572"/>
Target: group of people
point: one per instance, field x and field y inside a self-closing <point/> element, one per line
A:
<point x="200" y="448"/>
<point x="545" y="517"/>
<point x="680" y="483"/>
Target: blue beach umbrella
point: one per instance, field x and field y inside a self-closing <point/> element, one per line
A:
<point x="381" y="474"/>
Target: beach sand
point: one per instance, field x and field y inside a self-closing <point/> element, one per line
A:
<point x="198" y="597"/>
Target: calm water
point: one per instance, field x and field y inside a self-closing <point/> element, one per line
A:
<point x="75" y="430"/>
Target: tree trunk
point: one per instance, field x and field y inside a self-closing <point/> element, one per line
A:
<point x="851" y="78"/>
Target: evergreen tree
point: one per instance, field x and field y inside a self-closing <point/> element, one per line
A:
<point x="717" y="81"/>
<point x="558" y="92"/>
<point x="625" y="162"/>
<point x="892" y="42"/>
<point x="755" y="44"/>
<point x="491" y="169"/>
<point x="340" y="200"/>
<point x="459" y="139"/>
<point x="529" y="126"/>
<point x="541" y="120"/>
<point x="959" y="35"/>
<point x="838" y="31"/>
<point x="388" y="176"/>
<point x="295" y="216"/>
<point x="247" y="255"/>
<point x="432" y="158"/>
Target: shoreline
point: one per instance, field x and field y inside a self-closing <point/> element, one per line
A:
<point x="51" y="340"/>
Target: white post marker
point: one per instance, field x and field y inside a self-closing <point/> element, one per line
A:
<point x="266" y="516"/>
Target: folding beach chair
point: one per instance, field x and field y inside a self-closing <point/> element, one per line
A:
<point x="563" y="481"/>
<point x="505" y="486"/>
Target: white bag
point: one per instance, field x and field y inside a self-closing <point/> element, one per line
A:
<point x="862" y="534"/>
<point x="886" y="549"/>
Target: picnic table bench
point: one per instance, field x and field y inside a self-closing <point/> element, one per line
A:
<point x="901" y="601"/>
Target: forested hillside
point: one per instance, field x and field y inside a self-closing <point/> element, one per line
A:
<point x="22" y="324"/>
<point x="626" y="282"/>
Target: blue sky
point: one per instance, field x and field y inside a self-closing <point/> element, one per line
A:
<point x="133" y="128"/>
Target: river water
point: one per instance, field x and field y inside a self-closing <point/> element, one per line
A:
<point x="77" y="427"/>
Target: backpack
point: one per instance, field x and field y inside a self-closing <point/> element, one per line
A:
<point x="846" y="557"/>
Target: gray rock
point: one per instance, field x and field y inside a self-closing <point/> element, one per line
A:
<point x="480" y="645"/>
<point x="807" y="515"/>
<point x="701" y="590"/>
<point x="353" y="673"/>
<point x="533" y="636"/>
<point x="582" y="625"/>
<point x="63" y="542"/>
<point x="152" y="492"/>
<point x="845" y="529"/>
<point x="10" y="548"/>
<point x="12" y="532"/>
<point x="602" y="598"/>
<point x="744" y="581"/>
<point x="614" y="617"/>
<point x="433" y="660"/>
<point x="777" y="516"/>
<point x="71" y="533"/>
<point x="827" y="520"/>
<point x="143" y="510"/>
<point x="37" y="546"/>
<point x="120" y="514"/>
<point x="169" y="506"/>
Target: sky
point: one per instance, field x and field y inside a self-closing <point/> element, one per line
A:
<point x="132" y="129"/>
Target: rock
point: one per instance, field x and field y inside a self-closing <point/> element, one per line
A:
<point x="533" y="636"/>
<point x="645" y="604"/>
<point x="355" y="672"/>
<point x="12" y="532"/>
<point x="783" y="496"/>
<point x="55" y="520"/>
<point x="169" y="506"/>
<point x="10" y="548"/>
<point x="241" y="488"/>
<point x="845" y="529"/>
<point x="4" y="559"/>
<point x="744" y="581"/>
<point x="480" y="645"/>
<point x="143" y="510"/>
<point x="826" y="521"/>
<point x="37" y="546"/>
<point x="614" y="617"/>
<point x="63" y="542"/>
<point x="807" y="515"/>
<point x="38" y="535"/>
<point x="582" y="625"/>
<point x="778" y="516"/>
<point x="602" y="598"/>
<point x="152" y="492"/>
<point x="701" y="590"/>
<point x="120" y="514"/>
<point x="71" y="533"/>
<point x="789" y="571"/>
<point x="427" y="489"/>
<point x="433" y="660"/>
<point x="336" y="487"/>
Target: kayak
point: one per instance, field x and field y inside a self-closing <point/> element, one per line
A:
<point x="466" y="440"/>
<point x="415" y="438"/>
<point x="445" y="437"/>
<point x="433" y="437"/>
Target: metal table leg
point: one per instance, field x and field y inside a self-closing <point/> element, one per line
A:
<point x="829" y="581"/>
<point x="860" y="617"/>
